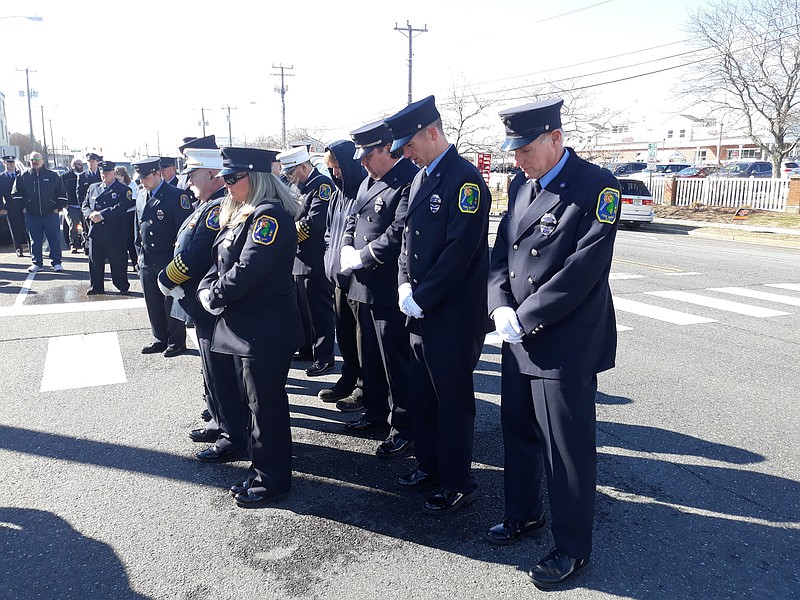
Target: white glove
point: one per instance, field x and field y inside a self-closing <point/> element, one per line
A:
<point x="177" y="292"/>
<point x="205" y="297"/>
<point x="164" y="289"/>
<point x="403" y="292"/>
<point x="349" y="259"/>
<point x="411" y="308"/>
<point x="507" y="324"/>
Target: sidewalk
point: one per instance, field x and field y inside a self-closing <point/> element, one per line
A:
<point x="734" y="226"/>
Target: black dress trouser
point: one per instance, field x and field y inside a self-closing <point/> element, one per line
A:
<point x="165" y="328"/>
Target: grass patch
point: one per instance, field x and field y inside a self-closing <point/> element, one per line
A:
<point x="720" y="214"/>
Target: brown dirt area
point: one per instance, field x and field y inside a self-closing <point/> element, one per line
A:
<point x="717" y="214"/>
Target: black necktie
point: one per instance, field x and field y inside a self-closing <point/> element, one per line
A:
<point x="424" y="174"/>
<point x="537" y="187"/>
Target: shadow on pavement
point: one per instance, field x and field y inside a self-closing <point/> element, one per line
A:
<point x="44" y="557"/>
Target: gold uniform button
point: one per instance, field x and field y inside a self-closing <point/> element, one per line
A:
<point x="415" y="256"/>
<point x="415" y="281"/>
<point x="512" y="274"/>
<point x="530" y="280"/>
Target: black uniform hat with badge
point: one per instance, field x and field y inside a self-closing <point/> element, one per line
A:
<point x="147" y="165"/>
<point x="369" y="137"/>
<point x="108" y="165"/>
<point x="167" y="161"/>
<point x="208" y="142"/>
<point x="9" y="158"/>
<point x="527" y="122"/>
<point x="406" y="123"/>
<point x="93" y="156"/>
<point x="235" y="160"/>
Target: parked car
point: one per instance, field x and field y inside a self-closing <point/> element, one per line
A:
<point x="746" y="168"/>
<point x="628" y="168"/>
<point x="637" y="203"/>
<point x="58" y="170"/>
<point x="696" y="172"/>
<point x="661" y="170"/>
<point x="789" y="168"/>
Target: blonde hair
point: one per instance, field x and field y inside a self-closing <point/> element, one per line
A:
<point x="262" y="185"/>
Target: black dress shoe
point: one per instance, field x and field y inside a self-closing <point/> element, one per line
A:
<point x="318" y="368"/>
<point x="19" y="252"/>
<point x="510" y="530"/>
<point x="396" y="446"/>
<point x="333" y="394"/>
<point x="302" y="356"/>
<point x="91" y="292"/>
<point x="363" y="424"/>
<point x="218" y="455"/>
<point x="154" y="348"/>
<point x="447" y="501"/>
<point x="203" y="435"/>
<point x="240" y="488"/>
<point x="556" y="568"/>
<point x="174" y="351"/>
<point x="205" y="415"/>
<point x="251" y="499"/>
<point x="416" y="480"/>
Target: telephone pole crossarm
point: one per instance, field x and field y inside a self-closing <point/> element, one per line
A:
<point x="409" y="31"/>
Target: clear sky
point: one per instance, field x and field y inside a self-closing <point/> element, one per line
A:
<point x="122" y="75"/>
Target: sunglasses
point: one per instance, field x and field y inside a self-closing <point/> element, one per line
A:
<point x="233" y="178"/>
<point x="36" y="160"/>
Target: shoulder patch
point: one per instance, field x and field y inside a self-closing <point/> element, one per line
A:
<point x="325" y="192"/>
<point x="212" y="220"/>
<point x="129" y="194"/>
<point x="185" y="204"/>
<point x="469" y="198"/>
<point x="607" y="205"/>
<point x="265" y="230"/>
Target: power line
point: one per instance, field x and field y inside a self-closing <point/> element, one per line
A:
<point x="572" y="12"/>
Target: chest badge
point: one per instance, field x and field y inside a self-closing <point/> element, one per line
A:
<point x="113" y="195"/>
<point x="378" y="204"/>
<point x="160" y="214"/>
<point x="436" y="203"/>
<point x="548" y="223"/>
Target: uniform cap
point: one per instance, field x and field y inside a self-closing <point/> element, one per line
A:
<point x="369" y="137"/>
<point x="527" y="122"/>
<point x="167" y="161"/>
<point x="292" y="158"/>
<point x="201" y="158"/>
<point x="406" y="123"/>
<point x="147" y="165"/>
<point x="93" y="156"/>
<point x="9" y="158"/>
<point x="235" y="160"/>
<point x="108" y="165"/>
<point x="208" y="142"/>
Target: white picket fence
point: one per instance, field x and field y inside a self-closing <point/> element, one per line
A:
<point x="760" y="194"/>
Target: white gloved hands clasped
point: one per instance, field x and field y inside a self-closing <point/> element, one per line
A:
<point x="205" y="297"/>
<point x="406" y="302"/>
<point x="507" y="324"/>
<point x="349" y="259"/>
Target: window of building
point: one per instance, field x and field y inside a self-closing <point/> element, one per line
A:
<point x="669" y="134"/>
<point x="682" y="133"/>
<point x="620" y="129"/>
<point x="710" y="123"/>
<point x="700" y="156"/>
<point x="749" y="153"/>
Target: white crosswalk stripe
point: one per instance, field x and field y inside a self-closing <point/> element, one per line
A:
<point x="758" y="295"/>
<point x="795" y="287"/>
<point x="656" y="312"/>
<point x="716" y="303"/>
<point x="615" y="276"/>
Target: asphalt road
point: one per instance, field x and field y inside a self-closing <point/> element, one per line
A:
<point x="699" y="470"/>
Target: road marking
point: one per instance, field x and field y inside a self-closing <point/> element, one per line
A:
<point x="78" y="361"/>
<point x="646" y="265"/>
<point x="726" y="305"/>
<point x="614" y="276"/>
<point x="683" y="273"/>
<point x="54" y="309"/>
<point x="656" y="312"/>
<point x="758" y="295"/>
<point x="623" y="328"/>
<point x="795" y="287"/>
<point x="24" y="289"/>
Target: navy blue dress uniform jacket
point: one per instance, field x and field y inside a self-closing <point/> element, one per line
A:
<point x="112" y="203"/>
<point x="445" y="252"/>
<point x="6" y="185"/>
<point x="375" y="229"/>
<point x="158" y="219"/>
<point x="550" y="263"/>
<point x="192" y="256"/>
<point x="85" y="179"/>
<point x="251" y="277"/>
<point x="316" y="193"/>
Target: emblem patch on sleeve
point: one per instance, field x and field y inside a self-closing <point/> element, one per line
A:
<point x="608" y="205"/>
<point x="265" y="230"/>
<point x="185" y="204"/>
<point x="469" y="198"/>
<point x="325" y="192"/>
<point x="212" y="220"/>
<point x="129" y="195"/>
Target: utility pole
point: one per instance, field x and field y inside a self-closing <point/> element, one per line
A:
<point x="44" y="139"/>
<point x="203" y="121"/>
<point x="282" y="91"/>
<point x="53" y="144"/>
<point x="230" y="135"/>
<point x="158" y="142"/>
<point x="30" y="112"/>
<point x="409" y="31"/>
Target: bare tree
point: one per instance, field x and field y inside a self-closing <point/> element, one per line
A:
<point x="23" y="142"/>
<point x="753" y="68"/>
<point x="464" y="119"/>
